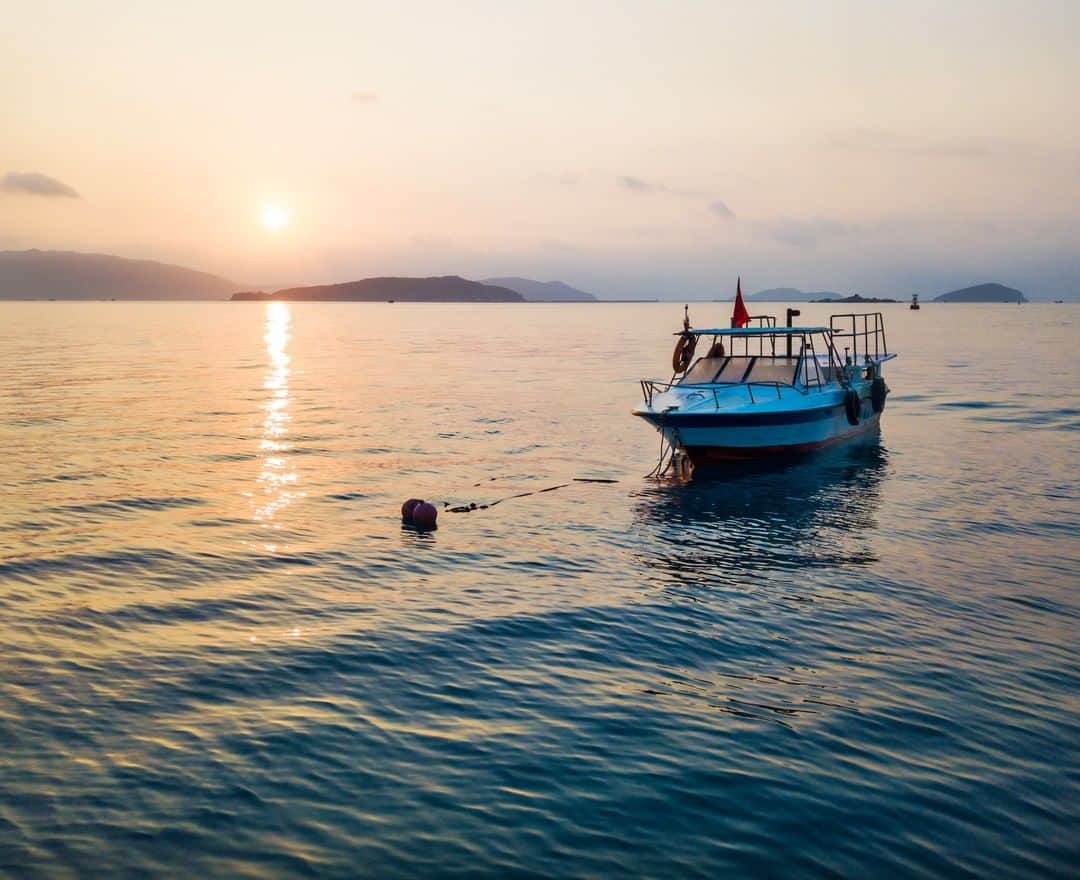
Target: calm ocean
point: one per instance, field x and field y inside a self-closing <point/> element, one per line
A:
<point x="224" y="657"/>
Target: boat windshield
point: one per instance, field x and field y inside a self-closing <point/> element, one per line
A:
<point x="735" y="370"/>
<point x="773" y="369"/>
<point x="704" y="371"/>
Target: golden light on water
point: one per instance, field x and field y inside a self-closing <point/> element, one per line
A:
<point x="277" y="476"/>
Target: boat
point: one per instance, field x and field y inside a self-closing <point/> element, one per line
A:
<point x="914" y="302"/>
<point x="762" y="390"/>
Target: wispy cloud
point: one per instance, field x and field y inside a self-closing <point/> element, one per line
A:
<point x="721" y="210"/>
<point x="364" y="97"/>
<point x="802" y="233"/>
<point x="638" y="185"/>
<point x="31" y="183"/>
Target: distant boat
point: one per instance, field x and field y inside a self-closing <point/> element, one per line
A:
<point x="1059" y="301"/>
<point x="915" y="302"/>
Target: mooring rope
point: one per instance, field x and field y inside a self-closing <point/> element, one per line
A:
<point x="470" y="507"/>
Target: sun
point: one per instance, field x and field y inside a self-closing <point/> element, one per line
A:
<point x="274" y="217"/>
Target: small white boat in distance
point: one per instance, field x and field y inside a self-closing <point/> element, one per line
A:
<point x="764" y="390"/>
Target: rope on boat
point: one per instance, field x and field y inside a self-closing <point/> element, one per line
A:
<point x="663" y="461"/>
<point x="669" y="458"/>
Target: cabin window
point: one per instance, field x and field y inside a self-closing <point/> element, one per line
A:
<point x="767" y="369"/>
<point x="703" y="371"/>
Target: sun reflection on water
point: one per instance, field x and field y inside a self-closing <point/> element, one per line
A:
<point x="277" y="477"/>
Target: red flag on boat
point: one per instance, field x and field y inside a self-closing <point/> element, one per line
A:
<point x="740" y="317"/>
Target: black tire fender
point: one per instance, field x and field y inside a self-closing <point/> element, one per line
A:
<point x="878" y="391"/>
<point x="852" y="406"/>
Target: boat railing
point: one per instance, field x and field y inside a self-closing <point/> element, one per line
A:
<point x="774" y="385"/>
<point x="651" y="387"/>
<point x="860" y="334"/>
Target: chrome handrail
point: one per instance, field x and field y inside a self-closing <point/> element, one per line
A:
<point x="650" y="387"/>
<point x="775" y="385"/>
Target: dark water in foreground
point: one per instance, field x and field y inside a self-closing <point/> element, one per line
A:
<point x="223" y="656"/>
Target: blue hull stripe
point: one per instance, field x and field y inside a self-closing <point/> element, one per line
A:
<point x="743" y="420"/>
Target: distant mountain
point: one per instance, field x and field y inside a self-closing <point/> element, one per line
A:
<point x="542" y="291"/>
<point x="983" y="293"/>
<point x="447" y="288"/>
<point x="69" y="275"/>
<point x="791" y="294"/>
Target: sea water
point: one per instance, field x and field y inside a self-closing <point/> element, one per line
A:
<point x="224" y="656"/>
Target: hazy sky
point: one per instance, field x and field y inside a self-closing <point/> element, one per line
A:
<point x="632" y="148"/>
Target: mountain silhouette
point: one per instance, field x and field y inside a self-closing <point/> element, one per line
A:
<point x="983" y="293"/>
<point x="542" y="291"/>
<point x="446" y="288"/>
<point x="38" y="274"/>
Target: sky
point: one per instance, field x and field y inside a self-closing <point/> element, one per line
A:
<point x="635" y="149"/>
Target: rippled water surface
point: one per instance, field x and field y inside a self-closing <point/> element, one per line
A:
<point x="224" y="656"/>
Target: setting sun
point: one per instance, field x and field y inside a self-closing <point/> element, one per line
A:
<point x="275" y="217"/>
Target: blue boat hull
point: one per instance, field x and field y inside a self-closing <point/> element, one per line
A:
<point x="723" y="436"/>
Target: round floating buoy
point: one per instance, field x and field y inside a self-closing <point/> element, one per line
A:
<point x="424" y="515"/>
<point x="878" y="391"/>
<point x="852" y="406"/>
<point x="408" y="508"/>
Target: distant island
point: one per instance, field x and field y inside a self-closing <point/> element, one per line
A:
<point x="983" y="293"/>
<point x="542" y="291"/>
<point x="987" y="293"/>
<point x="792" y="294"/>
<point x="447" y="288"/>
<point x="38" y="274"/>
<point x="70" y="275"/>
<point x="855" y="298"/>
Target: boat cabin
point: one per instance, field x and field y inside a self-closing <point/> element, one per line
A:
<point x="802" y="357"/>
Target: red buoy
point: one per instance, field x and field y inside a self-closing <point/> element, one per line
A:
<point x="408" y="508"/>
<point x="424" y="515"/>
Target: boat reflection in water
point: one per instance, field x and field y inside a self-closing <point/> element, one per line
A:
<point x="757" y="519"/>
<point x="763" y="589"/>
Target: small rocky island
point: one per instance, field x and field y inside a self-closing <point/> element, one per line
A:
<point x="446" y="288"/>
<point x="854" y="298"/>
<point x="983" y="293"/>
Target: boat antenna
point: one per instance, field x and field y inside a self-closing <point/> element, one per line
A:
<point x="686" y="317"/>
